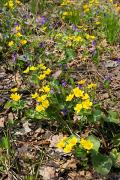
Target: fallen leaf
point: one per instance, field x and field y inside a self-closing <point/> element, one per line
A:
<point x="47" y="173"/>
<point x="2" y="121"/>
<point x="70" y="164"/>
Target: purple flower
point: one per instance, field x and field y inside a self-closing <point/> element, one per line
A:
<point x="93" y="43"/>
<point x="41" y="44"/>
<point x="14" y="56"/>
<point x="64" y="112"/>
<point x="16" y="24"/>
<point x="52" y="91"/>
<point x="64" y="83"/>
<point x="107" y="78"/>
<point x="60" y="65"/>
<point x="75" y="28"/>
<point x="117" y="60"/>
<point x="25" y="16"/>
<point x="41" y="20"/>
<point x="80" y="86"/>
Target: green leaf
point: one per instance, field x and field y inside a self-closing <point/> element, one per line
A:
<point x="107" y="84"/>
<point x="79" y="152"/>
<point x="115" y="156"/>
<point x="116" y="139"/>
<point x="101" y="163"/>
<point x="70" y="54"/>
<point x="113" y="117"/>
<point x="5" y="143"/>
<point x="97" y="115"/>
<point x="95" y="142"/>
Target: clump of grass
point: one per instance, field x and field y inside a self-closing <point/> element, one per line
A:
<point x="111" y="27"/>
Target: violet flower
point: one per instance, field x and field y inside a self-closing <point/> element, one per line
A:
<point x="64" y="112"/>
<point x="64" y="83"/>
<point x="14" y="56"/>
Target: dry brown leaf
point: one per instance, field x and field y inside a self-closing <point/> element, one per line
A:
<point x="47" y="173"/>
<point x="70" y="164"/>
<point x="2" y="121"/>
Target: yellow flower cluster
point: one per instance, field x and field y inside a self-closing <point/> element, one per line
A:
<point x="42" y="99"/>
<point x="86" y="144"/>
<point x="89" y="37"/>
<point x="67" y="144"/>
<point x="85" y="102"/>
<point x="86" y="7"/>
<point x="67" y="2"/>
<point x="45" y="71"/>
<point x="10" y="3"/>
<point x="44" y="74"/>
<point x="92" y="85"/>
<point x="73" y="39"/>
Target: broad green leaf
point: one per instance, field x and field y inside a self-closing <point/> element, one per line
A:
<point x="97" y="115"/>
<point x="79" y="152"/>
<point x="95" y="142"/>
<point x="101" y="163"/>
<point x="113" y="117"/>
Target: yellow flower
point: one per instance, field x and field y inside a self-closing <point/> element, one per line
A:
<point x="26" y="70"/>
<point x="78" y="108"/>
<point x="82" y="81"/>
<point x="33" y="68"/>
<point x="90" y="37"/>
<point x="86" y="104"/>
<point x="61" y="144"/>
<point x="69" y="97"/>
<point x="14" y="89"/>
<point x="73" y="141"/>
<point x="18" y="2"/>
<point x="97" y="22"/>
<point x="42" y="76"/>
<point x="15" y="97"/>
<point x="68" y="148"/>
<point x="17" y="28"/>
<point x="78" y="39"/>
<point x="47" y="72"/>
<point x="86" y="8"/>
<point x="23" y="41"/>
<point x="39" y="108"/>
<point x="46" y="89"/>
<point x="42" y="66"/>
<point x="45" y="104"/>
<point x="10" y="4"/>
<point x="92" y="85"/>
<point x="65" y="13"/>
<point x="11" y="43"/>
<point x="86" y="144"/>
<point x="85" y="96"/>
<point x="41" y="98"/>
<point x="18" y="34"/>
<point x="77" y="92"/>
<point x="35" y="95"/>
